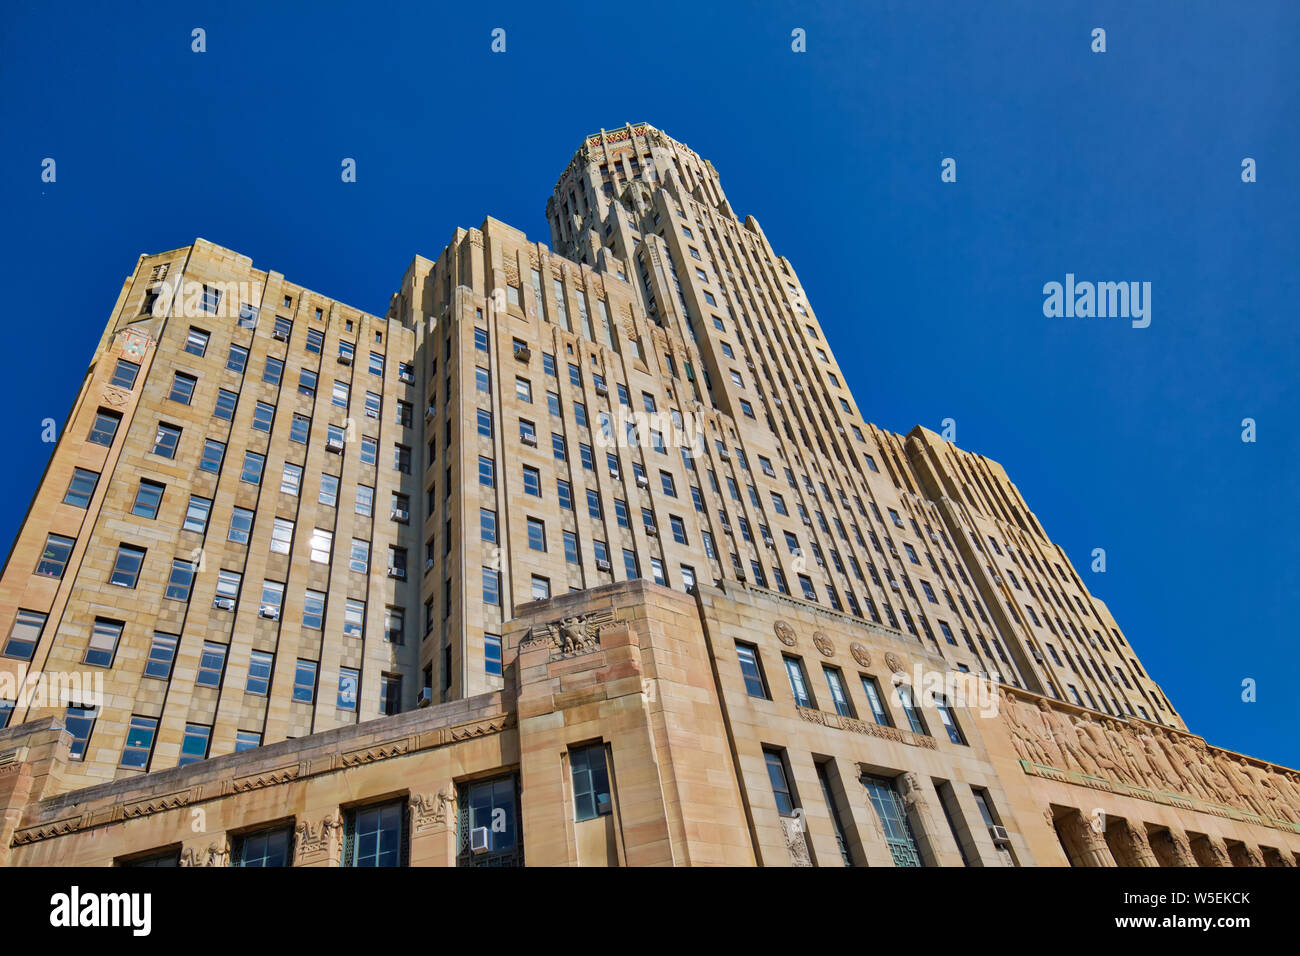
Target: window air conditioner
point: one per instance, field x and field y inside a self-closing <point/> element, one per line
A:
<point x="602" y="564"/>
<point x="345" y="359"/>
<point x="225" y="603"/>
<point x="478" y="840"/>
<point x="999" y="835"/>
<point x="269" y="611"/>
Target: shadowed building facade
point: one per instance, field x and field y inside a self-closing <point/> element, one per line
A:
<point x="590" y="537"/>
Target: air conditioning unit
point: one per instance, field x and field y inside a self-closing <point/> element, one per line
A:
<point x="407" y="377"/>
<point x="345" y="359"/>
<point x="614" y="473"/>
<point x="279" y="336"/>
<point x="429" y="413"/>
<point x="770" y="543"/>
<point x="893" y="550"/>
<point x="335" y="445"/>
<point x="602" y="389"/>
<point x="603" y="805"/>
<point x="1038" y="655"/>
<point x="652" y="531"/>
<point x="225" y="603"/>
<point x="399" y="573"/>
<point x="724" y="455"/>
<point x="523" y="353"/>
<point x="371" y="413"/>
<point x="478" y="840"/>
<point x="425" y="698"/>
<point x="428" y="564"/>
<point x="808" y="522"/>
<point x="269" y="611"/>
<point x="934" y="537"/>
<point x="602" y="564"/>
<point x="740" y="576"/>
<point x="749" y="363"/>
<point x="996" y="579"/>
<point x="401" y="514"/>
<point x="530" y="440"/>
<point x="642" y="481"/>
<point x="999" y="835"/>
<point x="799" y="385"/>
<point x="895" y="585"/>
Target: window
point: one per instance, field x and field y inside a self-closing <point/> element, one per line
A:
<point x="272" y="598"/>
<point x="806" y="584"/>
<point x="273" y="371"/>
<point x="307" y="382"/>
<point x="304" y="681"/>
<point x="194" y="745"/>
<point x="214" y="452"/>
<point x="390" y="694"/>
<point x="949" y="721"/>
<point x="527" y="432"/>
<point x="405" y="413"/>
<point x="339" y="394"/>
<point x="225" y="408"/>
<point x="265" y="848"/>
<point x="679" y="529"/>
<point x="591" y="796"/>
<point x="571" y="547"/>
<point x="359" y="557"/>
<point x="315" y="340"/>
<point x="779" y="777"/>
<point x="798" y="682"/>
<point x="492" y="805"/>
<point x="237" y="361"/>
<point x="322" y="542"/>
<point x="259" y="673"/>
<point x="347" y="697"/>
<point x="558" y="448"/>
<point x="486" y="472"/>
<point x="247" y="740"/>
<point x="139" y="742"/>
<point x="347" y="350"/>
<point x="593" y="503"/>
<point x="914" y="718"/>
<point x="329" y="490"/>
<point x="354" y="618"/>
<point x="394" y="625"/>
<point x="24" y="634"/>
<point x="872" y="690"/>
<point x="523" y="390"/>
<point x="162" y="654"/>
<point x="79" y="721"/>
<point x="564" y="493"/>
<point x="104" y="638"/>
<point x="480" y="339"/>
<point x="365" y="503"/>
<point x="105" y="427"/>
<point x="126" y="568"/>
<point x="369" y="450"/>
<point x="124" y="374"/>
<point x="263" y="415"/>
<point x="487" y="523"/>
<point x="541" y="588"/>
<point x="147" y="498"/>
<point x="482" y="379"/>
<point x="181" y="580"/>
<point x="166" y="440"/>
<point x="211" y="665"/>
<point x="241" y="524"/>
<point x="182" y="388"/>
<point x="491" y="587"/>
<point x="252" y="470"/>
<point x="532" y="481"/>
<point x="536" y="534"/>
<point x="835" y="681"/>
<point x="291" y="479"/>
<point x="375" y="836"/>
<point x="751" y="668"/>
<point x="376" y="364"/>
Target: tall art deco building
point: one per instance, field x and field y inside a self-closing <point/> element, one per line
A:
<point x="581" y="554"/>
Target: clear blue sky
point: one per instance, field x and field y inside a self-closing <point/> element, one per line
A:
<point x="1116" y="166"/>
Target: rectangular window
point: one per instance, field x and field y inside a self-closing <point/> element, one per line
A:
<point x="359" y="557"/>
<point x="914" y="719"/>
<point x="273" y="372"/>
<point x="139" y="742"/>
<point x="126" y="567"/>
<point x="369" y="450"/>
<point x="147" y="499"/>
<point x="949" y="721"/>
<point x="532" y="482"/>
<point x="751" y="668"/>
<point x="487" y="472"/>
<point x="291" y="479"/>
<point x="304" y="681"/>
<point x="162" y="654"/>
<point x="104" y="428"/>
<point x="798" y="682"/>
<point x="315" y="340"/>
<point x="25" y="634"/>
<point x="182" y="388"/>
<point x="181" y="580"/>
<point x="354" y="618"/>
<point x="322" y="543"/>
<point x="265" y="848"/>
<point x="166" y="440"/>
<point x="124" y="374"/>
<point x="307" y="382"/>
<point x="348" y="680"/>
<point x="329" y="490"/>
<point x="263" y="416"/>
<point x="259" y="673"/>
<point x="212" y="663"/>
<point x="878" y="711"/>
<point x="779" y="777"/>
<point x="375" y="836"/>
<point x="492" y="654"/>
<point x="252" y="470"/>
<point x="214" y="452"/>
<point x="536" y="535"/>
<point x="241" y="525"/>
<point x="390" y="694"/>
<point x="491" y="587"/>
<point x="591" y="796"/>
<point x="194" y="745"/>
<point x="237" y="361"/>
<point x="839" y="696"/>
<point x="79" y="721"/>
<point x="104" y="638"/>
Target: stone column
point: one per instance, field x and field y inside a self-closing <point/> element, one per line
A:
<point x="1129" y="843"/>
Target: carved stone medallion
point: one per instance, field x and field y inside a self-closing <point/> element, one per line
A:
<point x="823" y="644"/>
<point x="860" y="654"/>
<point x="785" y="634"/>
<point x="893" y="662"/>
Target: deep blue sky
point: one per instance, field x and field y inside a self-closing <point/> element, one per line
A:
<point x="1115" y="166"/>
